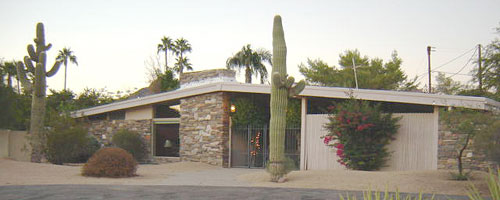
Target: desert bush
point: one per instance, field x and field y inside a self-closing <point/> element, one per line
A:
<point x="69" y="142"/>
<point x="131" y="142"/>
<point x="360" y="132"/>
<point x="493" y="181"/>
<point x="110" y="162"/>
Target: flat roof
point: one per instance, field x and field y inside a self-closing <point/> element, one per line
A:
<point x="480" y="103"/>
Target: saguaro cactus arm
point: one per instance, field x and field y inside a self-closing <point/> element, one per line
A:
<point x="54" y="68"/>
<point x="297" y="89"/>
<point x="29" y="64"/>
<point x="32" y="53"/>
<point x="21" y="74"/>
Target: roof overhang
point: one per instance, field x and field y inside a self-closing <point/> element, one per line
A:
<point x="481" y="103"/>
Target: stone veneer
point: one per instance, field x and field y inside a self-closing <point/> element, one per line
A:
<point x="192" y="79"/>
<point x="104" y="130"/>
<point x="447" y="152"/>
<point x="204" y="129"/>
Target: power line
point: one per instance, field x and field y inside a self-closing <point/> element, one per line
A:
<point x="455" y="58"/>
<point x="444" y="64"/>
<point x="465" y="64"/>
<point x="452" y="73"/>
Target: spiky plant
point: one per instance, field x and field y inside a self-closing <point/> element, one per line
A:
<point x="281" y="89"/>
<point x="37" y="85"/>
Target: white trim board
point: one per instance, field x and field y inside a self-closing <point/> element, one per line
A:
<point x="481" y="103"/>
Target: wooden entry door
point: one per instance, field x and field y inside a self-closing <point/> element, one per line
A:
<point x="166" y="134"/>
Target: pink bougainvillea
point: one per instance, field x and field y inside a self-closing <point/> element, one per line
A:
<point x="360" y="132"/>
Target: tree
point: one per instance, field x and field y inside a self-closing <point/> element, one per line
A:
<point x="181" y="64"/>
<point x="163" y="81"/>
<point x="466" y="124"/>
<point x="251" y="61"/>
<point x="446" y="85"/>
<point x="15" y="110"/>
<point x="181" y="47"/>
<point x="490" y="72"/>
<point x="64" y="55"/>
<point x="8" y="69"/>
<point x="92" y="97"/>
<point x="166" y="45"/>
<point x="371" y="73"/>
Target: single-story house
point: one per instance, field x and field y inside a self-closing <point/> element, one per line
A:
<point x="193" y="123"/>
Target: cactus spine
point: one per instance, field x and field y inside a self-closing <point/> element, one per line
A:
<point x="281" y="88"/>
<point x="37" y="86"/>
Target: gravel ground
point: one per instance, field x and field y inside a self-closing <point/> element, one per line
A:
<point x="198" y="174"/>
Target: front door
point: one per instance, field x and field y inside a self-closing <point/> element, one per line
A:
<point x="166" y="140"/>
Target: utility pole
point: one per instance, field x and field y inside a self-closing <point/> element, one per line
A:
<point x="479" y="70"/>
<point x="355" y="75"/>
<point x="429" y="49"/>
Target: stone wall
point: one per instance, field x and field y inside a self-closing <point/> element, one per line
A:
<point x="104" y="130"/>
<point x="192" y="79"/>
<point x="447" y="152"/>
<point x="204" y="129"/>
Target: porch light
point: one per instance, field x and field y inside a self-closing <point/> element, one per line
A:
<point x="233" y="108"/>
<point x="168" y="144"/>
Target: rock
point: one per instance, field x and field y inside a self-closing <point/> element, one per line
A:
<point x="282" y="180"/>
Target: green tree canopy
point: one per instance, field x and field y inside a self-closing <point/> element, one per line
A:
<point x="251" y="61"/>
<point x="446" y="85"/>
<point x="372" y="73"/>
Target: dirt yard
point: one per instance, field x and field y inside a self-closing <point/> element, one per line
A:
<point x="25" y="173"/>
<point x="432" y="181"/>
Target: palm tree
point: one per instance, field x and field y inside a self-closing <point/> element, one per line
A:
<point x="251" y="61"/>
<point x="182" y="62"/>
<point x="64" y="55"/>
<point x="182" y="46"/>
<point x="10" y="71"/>
<point x="165" y="45"/>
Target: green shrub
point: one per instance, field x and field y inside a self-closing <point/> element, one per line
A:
<point x="69" y="142"/>
<point x="110" y="162"/>
<point x="360" y="133"/>
<point x="493" y="181"/>
<point x="248" y="113"/>
<point x="131" y="142"/>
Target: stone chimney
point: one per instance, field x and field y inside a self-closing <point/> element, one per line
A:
<point x="193" y="79"/>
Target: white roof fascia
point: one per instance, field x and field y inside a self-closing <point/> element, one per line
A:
<point x="310" y="91"/>
<point x="403" y="97"/>
<point x="156" y="98"/>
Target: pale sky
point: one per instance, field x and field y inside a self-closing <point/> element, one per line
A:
<point x="113" y="39"/>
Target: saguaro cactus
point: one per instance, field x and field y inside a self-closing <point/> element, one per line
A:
<point x="281" y="89"/>
<point x="37" y="85"/>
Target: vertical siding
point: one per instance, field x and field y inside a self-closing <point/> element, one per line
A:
<point x="415" y="147"/>
<point x="318" y="155"/>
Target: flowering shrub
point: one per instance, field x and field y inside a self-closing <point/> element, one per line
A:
<point x="360" y="132"/>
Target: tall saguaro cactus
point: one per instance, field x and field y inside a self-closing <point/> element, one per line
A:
<point x="281" y="89"/>
<point x="37" y="85"/>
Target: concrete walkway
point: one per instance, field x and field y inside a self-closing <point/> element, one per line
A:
<point x="215" y="177"/>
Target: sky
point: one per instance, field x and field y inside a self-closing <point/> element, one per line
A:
<point x="115" y="40"/>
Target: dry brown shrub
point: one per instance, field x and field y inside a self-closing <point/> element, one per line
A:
<point x="110" y="162"/>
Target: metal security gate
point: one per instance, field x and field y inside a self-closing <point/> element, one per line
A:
<point x="249" y="146"/>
